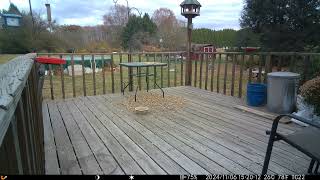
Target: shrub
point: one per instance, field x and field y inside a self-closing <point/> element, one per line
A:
<point x="310" y="91"/>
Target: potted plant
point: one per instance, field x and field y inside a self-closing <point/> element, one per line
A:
<point x="310" y="92"/>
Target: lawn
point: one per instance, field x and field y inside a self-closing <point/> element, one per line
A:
<point x="6" y="57"/>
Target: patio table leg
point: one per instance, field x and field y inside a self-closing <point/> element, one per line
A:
<point x="160" y="89"/>
<point x="135" y="95"/>
<point x="125" y="87"/>
<point x="147" y="77"/>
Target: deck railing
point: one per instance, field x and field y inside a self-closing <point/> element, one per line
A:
<point x="21" y="126"/>
<point x="226" y="72"/>
<point x="229" y="72"/>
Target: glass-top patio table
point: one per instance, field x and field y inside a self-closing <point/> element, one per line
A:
<point x="138" y="66"/>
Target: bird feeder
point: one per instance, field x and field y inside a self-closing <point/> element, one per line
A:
<point x="11" y="20"/>
<point x="190" y="8"/>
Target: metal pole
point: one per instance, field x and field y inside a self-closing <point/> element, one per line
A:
<point x="128" y="9"/>
<point x="188" y="74"/>
<point x="31" y="13"/>
<point x="49" y="16"/>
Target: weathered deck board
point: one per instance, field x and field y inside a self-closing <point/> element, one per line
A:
<point x="218" y="148"/>
<point x="185" y="144"/>
<point x="104" y="158"/>
<point x="67" y="158"/>
<point x="206" y="136"/>
<point x="52" y="165"/>
<point x="207" y="101"/>
<point x="126" y="117"/>
<point x="165" y="162"/>
<point x="125" y="161"/>
<point x="143" y="159"/>
<point x="85" y="157"/>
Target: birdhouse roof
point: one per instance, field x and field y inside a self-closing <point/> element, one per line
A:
<point x="12" y="15"/>
<point x="190" y="2"/>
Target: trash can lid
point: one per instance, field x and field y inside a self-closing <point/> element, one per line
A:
<point x="285" y="75"/>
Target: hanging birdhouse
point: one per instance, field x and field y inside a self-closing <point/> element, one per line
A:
<point x="190" y="8"/>
<point x="11" y="20"/>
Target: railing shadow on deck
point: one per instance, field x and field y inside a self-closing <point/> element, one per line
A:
<point x="21" y="125"/>
<point x="222" y="72"/>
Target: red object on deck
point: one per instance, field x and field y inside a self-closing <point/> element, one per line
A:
<point x="249" y="49"/>
<point x="50" y="60"/>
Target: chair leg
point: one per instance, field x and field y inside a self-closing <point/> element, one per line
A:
<point x="311" y="166"/>
<point x="268" y="154"/>
<point x="316" y="169"/>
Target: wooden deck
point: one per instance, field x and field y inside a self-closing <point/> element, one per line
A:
<point x="92" y="135"/>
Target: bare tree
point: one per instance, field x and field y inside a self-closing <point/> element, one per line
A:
<point x="170" y="30"/>
<point x="117" y="16"/>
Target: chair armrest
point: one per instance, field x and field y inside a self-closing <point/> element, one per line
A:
<point x="301" y="119"/>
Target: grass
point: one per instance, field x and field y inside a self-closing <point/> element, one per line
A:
<point x="170" y="78"/>
<point x="4" y="58"/>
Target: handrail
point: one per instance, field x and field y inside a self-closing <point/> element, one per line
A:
<point x="116" y="53"/>
<point x="21" y="124"/>
<point x="179" y="52"/>
<point x="13" y="76"/>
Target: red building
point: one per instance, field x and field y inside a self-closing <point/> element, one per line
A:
<point x="197" y="48"/>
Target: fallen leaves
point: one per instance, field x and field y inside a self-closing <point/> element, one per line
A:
<point x="154" y="101"/>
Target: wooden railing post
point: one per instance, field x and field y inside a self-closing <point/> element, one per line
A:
<point x="251" y="59"/>
<point x="103" y="75"/>
<point x="94" y="74"/>
<point x="306" y="63"/>
<point x="201" y="64"/>
<point x="195" y="71"/>
<point x="168" y="75"/>
<point x="16" y="144"/>
<point x="188" y="69"/>
<point x="260" y="68"/>
<point x="175" y="71"/>
<point x="161" y="60"/>
<point x="130" y="74"/>
<point x="241" y="76"/>
<point x="234" y="56"/>
<point x="51" y="81"/>
<point x="218" y="74"/>
<point x="73" y="78"/>
<point x="83" y="76"/>
<point x="154" y="72"/>
<point x="279" y="66"/>
<point x="213" y="59"/>
<point x="112" y="74"/>
<point x="23" y="135"/>
<point x="268" y="67"/>
<point x="181" y="70"/>
<point x="62" y="79"/>
<point x="206" y="76"/>
<point x="225" y="75"/>
<point x="121" y="72"/>
<point x="292" y="63"/>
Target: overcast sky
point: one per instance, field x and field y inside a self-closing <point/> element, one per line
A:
<point x="215" y="14"/>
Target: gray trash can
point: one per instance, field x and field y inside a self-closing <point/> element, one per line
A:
<point x="282" y="91"/>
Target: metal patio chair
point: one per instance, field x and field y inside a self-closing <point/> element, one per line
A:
<point x="306" y="140"/>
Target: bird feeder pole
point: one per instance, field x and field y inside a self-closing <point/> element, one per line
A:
<point x="189" y="9"/>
